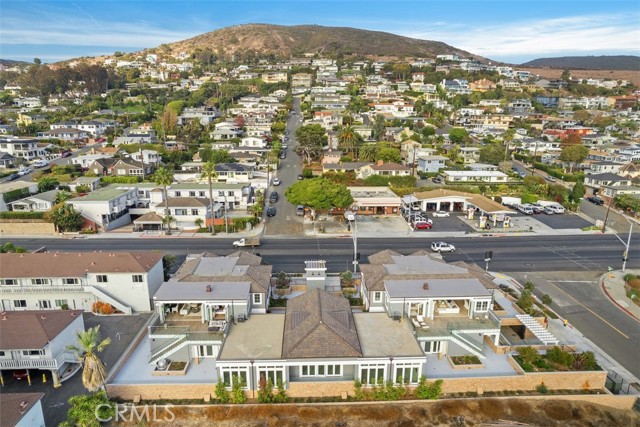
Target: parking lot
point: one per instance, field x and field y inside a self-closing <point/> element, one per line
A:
<point x="558" y="221"/>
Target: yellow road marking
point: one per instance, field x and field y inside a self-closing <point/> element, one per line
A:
<point x="591" y="311"/>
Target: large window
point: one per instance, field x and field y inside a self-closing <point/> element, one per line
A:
<point x="19" y="303"/>
<point x="62" y="302"/>
<point x="70" y="281"/>
<point x="482" y="305"/>
<point x="377" y="296"/>
<point x="32" y="352"/>
<point x="39" y="281"/>
<point x="371" y="374"/>
<point x="407" y="373"/>
<point x="234" y="371"/>
<point x="321" y="370"/>
<point x="181" y="212"/>
<point x="273" y="373"/>
<point x="102" y="278"/>
<point x="44" y="304"/>
<point x="9" y="282"/>
<point x="137" y="278"/>
<point x="432" y="346"/>
<point x="257" y="299"/>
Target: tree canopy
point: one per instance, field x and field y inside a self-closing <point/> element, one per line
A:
<point x="573" y="154"/>
<point x="458" y="135"/>
<point x="492" y="154"/>
<point x="319" y="194"/>
<point x="310" y="141"/>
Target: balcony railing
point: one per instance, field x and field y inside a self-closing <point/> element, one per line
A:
<point x="43" y="363"/>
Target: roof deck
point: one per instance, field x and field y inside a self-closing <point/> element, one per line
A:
<point x="259" y="337"/>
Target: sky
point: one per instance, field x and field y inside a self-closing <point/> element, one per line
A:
<point x="513" y="31"/>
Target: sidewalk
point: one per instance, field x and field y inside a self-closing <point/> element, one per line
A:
<point x="612" y="284"/>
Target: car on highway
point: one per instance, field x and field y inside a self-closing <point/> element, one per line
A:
<point x="24" y="171"/>
<point x="440" y="214"/>
<point x="596" y="200"/>
<point x="276" y="181"/>
<point x="273" y="198"/>
<point x="271" y="211"/>
<point x="422" y="225"/>
<point x="13" y="177"/>
<point x="442" y="247"/>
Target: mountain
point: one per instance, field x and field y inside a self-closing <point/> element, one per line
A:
<point x="613" y="62"/>
<point x="287" y="41"/>
<point x="11" y="62"/>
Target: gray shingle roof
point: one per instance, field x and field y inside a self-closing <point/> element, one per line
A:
<point x="319" y="324"/>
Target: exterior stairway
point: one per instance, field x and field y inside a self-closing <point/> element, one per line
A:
<point x="536" y="328"/>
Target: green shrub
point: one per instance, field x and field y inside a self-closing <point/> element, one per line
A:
<point x="561" y="357"/>
<point x="542" y="388"/>
<point x="222" y="394"/>
<point x="546" y="299"/>
<point x="358" y="392"/>
<point x="281" y="396"/>
<point x="629" y="276"/>
<point x="265" y="391"/>
<point x="528" y="354"/>
<point x="529" y="198"/>
<point x="586" y="361"/>
<point x="21" y="215"/>
<point x="425" y="390"/>
<point x="237" y="390"/>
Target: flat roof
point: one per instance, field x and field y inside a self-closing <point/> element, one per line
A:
<point x="258" y="338"/>
<point x="391" y="338"/>
<point x="103" y="194"/>
<point x="202" y="291"/>
<point x="195" y="186"/>
<point x="437" y="288"/>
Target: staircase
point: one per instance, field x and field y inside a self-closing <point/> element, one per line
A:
<point x="108" y="298"/>
<point x="168" y="349"/>
<point x="541" y="333"/>
<point x="464" y="342"/>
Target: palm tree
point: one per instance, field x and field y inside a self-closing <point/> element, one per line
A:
<point x="94" y="373"/>
<point x="368" y="153"/>
<point x="164" y="177"/>
<point x="209" y="172"/>
<point x="348" y="139"/>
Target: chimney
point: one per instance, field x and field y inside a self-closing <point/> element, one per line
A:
<point x="425" y="286"/>
<point x="380" y="162"/>
<point x="208" y="288"/>
<point x="43" y="317"/>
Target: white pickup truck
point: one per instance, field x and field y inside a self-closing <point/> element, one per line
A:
<point x="247" y="242"/>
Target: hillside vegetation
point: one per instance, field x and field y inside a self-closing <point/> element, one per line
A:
<point x="284" y="41"/>
<point x="615" y="62"/>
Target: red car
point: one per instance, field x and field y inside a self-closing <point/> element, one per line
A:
<point x="20" y="374"/>
<point x="422" y="226"/>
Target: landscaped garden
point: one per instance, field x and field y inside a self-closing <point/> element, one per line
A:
<point x="555" y="359"/>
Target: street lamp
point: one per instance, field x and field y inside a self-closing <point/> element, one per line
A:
<point x="355" y="244"/>
<point x="487" y="258"/>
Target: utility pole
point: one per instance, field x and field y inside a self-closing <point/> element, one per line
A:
<point x="533" y="162"/>
<point x="142" y="161"/>
<point x="625" y="256"/>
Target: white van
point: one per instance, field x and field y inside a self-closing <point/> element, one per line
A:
<point x="557" y="208"/>
<point x="527" y="210"/>
<point x="40" y="163"/>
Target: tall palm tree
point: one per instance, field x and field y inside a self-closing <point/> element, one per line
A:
<point x="348" y="139"/>
<point x="209" y="172"/>
<point x="94" y="373"/>
<point x="164" y="177"/>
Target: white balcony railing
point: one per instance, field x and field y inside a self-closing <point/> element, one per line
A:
<point x="43" y="363"/>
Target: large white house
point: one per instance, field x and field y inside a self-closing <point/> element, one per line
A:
<point x="76" y="280"/>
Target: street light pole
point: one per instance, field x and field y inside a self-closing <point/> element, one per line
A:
<point x="625" y="256"/>
<point x="355" y="244"/>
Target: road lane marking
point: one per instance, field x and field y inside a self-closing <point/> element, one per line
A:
<point x="590" y="311"/>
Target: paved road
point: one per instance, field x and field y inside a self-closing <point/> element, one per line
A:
<point x="577" y="297"/>
<point x="285" y="222"/>
<point x="615" y="221"/>
<point x="594" y="252"/>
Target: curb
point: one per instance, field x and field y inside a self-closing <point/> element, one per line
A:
<point x="606" y="292"/>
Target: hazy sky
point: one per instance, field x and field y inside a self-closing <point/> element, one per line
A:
<point x="512" y="31"/>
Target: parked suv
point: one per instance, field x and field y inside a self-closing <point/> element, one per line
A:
<point x="300" y="210"/>
<point x="596" y="200"/>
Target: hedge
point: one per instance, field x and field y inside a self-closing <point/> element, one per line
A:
<point x="574" y="177"/>
<point x="11" y="196"/>
<point x="21" y="215"/>
<point x="106" y="180"/>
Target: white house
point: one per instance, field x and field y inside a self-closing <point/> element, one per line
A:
<point x="27" y="148"/>
<point x="76" y="280"/>
<point x="474" y="176"/>
<point x="107" y="207"/>
<point x="38" y="339"/>
<point x="431" y="164"/>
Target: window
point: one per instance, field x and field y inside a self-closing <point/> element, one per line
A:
<point x="257" y="298"/>
<point x="2" y="353"/>
<point x="137" y="278"/>
<point x="62" y="302"/>
<point x="206" y="351"/>
<point x="70" y="281"/>
<point x="432" y="346"/>
<point x="228" y="374"/>
<point x="181" y="212"/>
<point x="39" y="281"/>
<point x="407" y="374"/>
<point x="32" y="352"/>
<point x="320" y="370"/>
<point x="377" y="297"/>
<point x="44" y="304"/>
<point x="192" y="194"/>
<point x="482" y="305"/>
<point x="19" y="303"/>
<point x="371" y="374"/>
<point x="9" y="282"/>
<point x="102" y="278"/>
<point x="178" y="194"/>
<point x="201" y="194"/>
<point x="273" y="373"/>
<point x="194" y="211"/>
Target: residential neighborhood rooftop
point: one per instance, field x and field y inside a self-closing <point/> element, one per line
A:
<point x="33" y="329"/>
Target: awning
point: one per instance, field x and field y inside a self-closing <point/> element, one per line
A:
<point x="149" y="218"/>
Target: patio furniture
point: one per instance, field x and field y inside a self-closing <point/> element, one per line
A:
<point x="420" y="319"/>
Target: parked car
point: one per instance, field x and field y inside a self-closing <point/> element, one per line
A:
<point x="550" y="178"/>
<point x="522" y="174"/>
<point x="436" y="180"/>
<point x="271" y="211"/>
<point x="283" y="154"/>
<point x="300" y="176"/>
<point x="24" y="171"/>
<point x="527" y="210"/>
<point x="66" y="154"/>
<point x="421" y="218"/>
<point x="13" y="177"/>
<point x="548" y="211"/>
<point x="300" y="210"/>
<point x="273" y="198"/>
<point x="442" y="247"/>
<point x="276" y="181"/>
<point x="20" y="374"/>
<point x="596" y="200"/>
<point x="440" y="214"/>
<point x="422" y="225"/>
<point x="415" y="208"/>
<point x="559" y="209"/>
<point x="40" y="163"/>
<point x="537" y="209"/>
